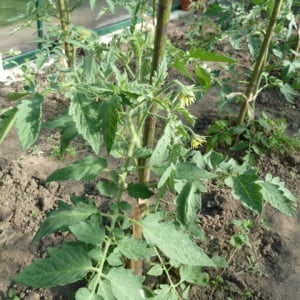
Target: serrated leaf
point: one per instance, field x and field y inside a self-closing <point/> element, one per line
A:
<point x="90" y="68"/>
<point x="166" y="175"/>
<point x="86" y="294"/>
<point x="85" y="169"/>
<point x="139" y="191"/>
<point x="203" y="76"/>
<point x="288" y="92"/>
<point x="156" y="270"/>
<point x="115" y="258"/>
<point x="194" y="274"/>
<point x="65" y="215"/>
<point x="85" y="114"/>
<point x="161" y="152"/>
<point x="160" y="74"/>
<point x="16" y="96"/>
<point x="180" y="65"/>
<point x="89" y="232"/>
<point x="279" y="196"/>
<point x="190" y="171"/>
<point x="107" y="188"/>
<point x="166" y="292"/>
<point x="135" y="249"/>
<point x="104" y="290"/>
<point x="28" y="120"/>
<point x="247" y="190"/>
<point x="188" y="202"/>
<point x="63" y="266"/>
<point x="7" y="120"/>
<point x="184" y="251"/>
<point x="220" y="261"/>
<point x="254" y="45"/>
<point x="210" y="56"/>
<point x="125" y="285"/>
<point x="109" y="116"/>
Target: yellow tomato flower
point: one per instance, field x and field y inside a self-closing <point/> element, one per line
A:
<point x="186" y="95"/>
<point x="197" y="141"/>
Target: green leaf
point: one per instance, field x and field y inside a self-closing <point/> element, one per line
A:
<point x="184" y="251"/>
<point x="16" y="96"/>
<point x="194" y="274"/>
<point x="161" y="74"/>
<point x="142" y="153"/>
<point x="288" y="92"/>
<point x="115" y="258"/>
<point x="275" y="192"/>
<point x="139" y="191"/>
<point x="7" y="120"/>
<point x="65" y="215"/>
<point x="63" y="266"/>
<point x="125" y="285"/>
<point x="180" y="65"/>
<point x="109" y="116"/>
<point x="161" y="151"/>
<point x="85" y="169"/>
<point x="188" y="202"/>
<point x="105" y="291"/>
<point x="166" y="292"/>
<point x="107" y="188"/>
<point x="203" y="77"/>
<point x="247" y="190"/>
<point x="28" y="120"/>
<point x="166" y="175"/>
<point x="68" y="134"/>
<point x="254" y="45"/>
<point x="220" y="261"/>
<point x="190" y="171"/>
<point x="86" y="294"/>
<point x="85" y="114"/>
<point x="135" y="248"/>
<point x="210" y="56"/>
<point x="89" y="232"/>
<point x="240" y="240"/>
<point x="156" y="270"/>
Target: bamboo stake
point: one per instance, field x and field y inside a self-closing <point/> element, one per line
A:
<point x="163" y="17"/>
<point x="65" y="21"/>
<point x="253" y="86"/>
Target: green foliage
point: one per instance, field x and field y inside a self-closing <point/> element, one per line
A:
<point x="63" y="266"/>
<point x="111" y="96"/>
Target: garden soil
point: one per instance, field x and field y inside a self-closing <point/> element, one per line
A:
<point x="268" y="270"/>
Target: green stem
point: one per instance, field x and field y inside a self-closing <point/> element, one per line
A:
<point x="172" y="285"/>
<point x="251" y="92"/>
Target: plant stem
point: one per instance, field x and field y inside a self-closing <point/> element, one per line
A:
<point x="65" y="21"/>
<point x="251" y="92"/>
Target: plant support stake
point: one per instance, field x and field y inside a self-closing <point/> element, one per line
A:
<point x="251" y="92"/>
<point x="65" y="20"/>
<point x="163" y="17"/>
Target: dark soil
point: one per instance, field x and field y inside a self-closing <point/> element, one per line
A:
<point x="269" y="269"/>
